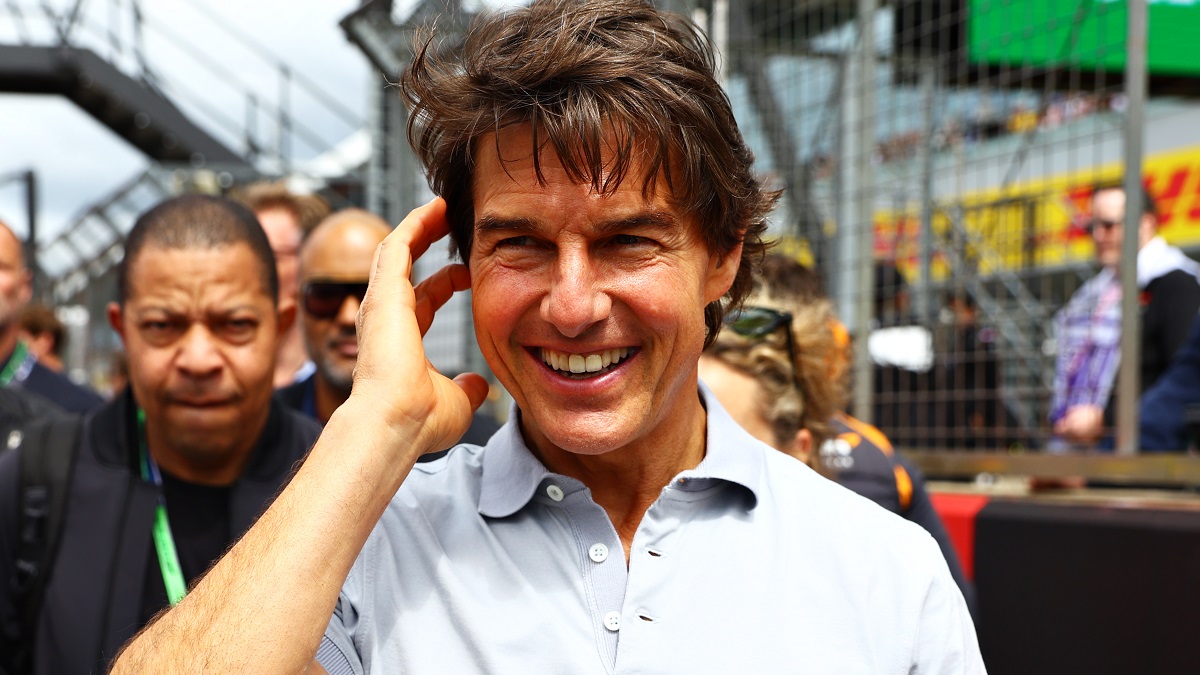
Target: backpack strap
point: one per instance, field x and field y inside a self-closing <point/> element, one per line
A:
<point x="48" y="448"/>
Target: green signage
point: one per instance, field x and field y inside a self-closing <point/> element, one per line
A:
<point x="1085" y="34"/>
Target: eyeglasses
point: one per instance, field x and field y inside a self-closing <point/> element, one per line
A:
<point x="759" y="322"/>
<point x="324" y="299"/>
<point x="1102" y="224"/>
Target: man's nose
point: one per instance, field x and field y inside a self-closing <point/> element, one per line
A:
<point x="576" y="300"/>
<point x="199" y="354"/>
<point x="348" y="312"/>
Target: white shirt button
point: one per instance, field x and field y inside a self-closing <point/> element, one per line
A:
<point x="555" y="493"/>
<point x="598" y="553"/>
<point x="612" y="621"/>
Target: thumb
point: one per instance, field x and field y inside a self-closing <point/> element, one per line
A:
<point x="475" y="387"/>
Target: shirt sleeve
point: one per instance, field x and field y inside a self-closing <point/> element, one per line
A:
<point x="922" y="513"/>
<point x="337" y="654"/>
<point x="946" y="639"/>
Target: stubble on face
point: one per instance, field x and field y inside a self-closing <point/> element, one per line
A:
<point x="557" y="268"/>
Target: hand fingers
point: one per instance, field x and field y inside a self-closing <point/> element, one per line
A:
<point x="475" y="387"/>
<point x="437" y="290"/>
<point x="391" y="268"/>
<point x="420" y="228"/>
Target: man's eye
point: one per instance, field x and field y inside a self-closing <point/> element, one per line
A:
<point x="240" y="327"/>
<point x="629" y="240"/>
<point x="515" y="242"/>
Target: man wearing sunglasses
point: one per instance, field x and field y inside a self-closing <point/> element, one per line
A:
<point x="1089" y="326"/>
<point x="335" y="263"/>
<point x="595" y="184"/>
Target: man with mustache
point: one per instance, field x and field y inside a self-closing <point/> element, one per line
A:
<point x="335" y="263"/>
<point x="173" y="471"/>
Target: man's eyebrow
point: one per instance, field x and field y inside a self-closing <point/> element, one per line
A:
<point x="662" y="220"/>
<point x="659" y="220"/>
<point x="491" y="223"/>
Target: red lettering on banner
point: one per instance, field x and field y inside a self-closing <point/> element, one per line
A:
<point x="1166" y="198"/>
<point x="1194" y="212"/>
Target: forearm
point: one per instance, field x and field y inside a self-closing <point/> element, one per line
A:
<point x="264" y="607"/>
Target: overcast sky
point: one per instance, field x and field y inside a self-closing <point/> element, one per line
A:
<point x="77" y="160"/>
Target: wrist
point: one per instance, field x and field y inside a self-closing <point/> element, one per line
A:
<point x="360" y="430"/>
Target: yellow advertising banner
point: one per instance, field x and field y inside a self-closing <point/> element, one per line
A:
<point x="1041" y="223"/>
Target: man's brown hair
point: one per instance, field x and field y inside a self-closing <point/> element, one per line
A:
<point x="309" y="210"/>
<point x="592" y="77"/>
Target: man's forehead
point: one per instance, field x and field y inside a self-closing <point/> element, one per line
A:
<point x="509" y="154"/>
<point x="347" y="249"/>
<point x="178" y="267"/>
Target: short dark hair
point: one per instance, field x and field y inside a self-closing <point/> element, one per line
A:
<point x="1149" y="206"/>
<point x="581" y="73"/>
<point x="198" y="222"/>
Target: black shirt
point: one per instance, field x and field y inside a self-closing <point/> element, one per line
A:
<point x="199" y="517"/>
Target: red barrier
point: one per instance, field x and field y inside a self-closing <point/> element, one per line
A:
<point x="958" y="515"/>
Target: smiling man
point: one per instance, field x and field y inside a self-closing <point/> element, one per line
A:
<point x="173" y="471"/>
<point x="598" y="189"/>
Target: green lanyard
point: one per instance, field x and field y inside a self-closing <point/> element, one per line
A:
<point x="15" y="363"/>
<point x="164" y="543"/>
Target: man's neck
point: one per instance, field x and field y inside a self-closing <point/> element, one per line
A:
<point x="328" y="397"/>
<point x="627" y="481"/>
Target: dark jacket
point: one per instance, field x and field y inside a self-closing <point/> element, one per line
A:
<point x="1169" y="409"/>
<point x="94" y="596"/>
<point x="301" y="396"/>
<point x="862" y="459"/>
<point x="56" y="388"/>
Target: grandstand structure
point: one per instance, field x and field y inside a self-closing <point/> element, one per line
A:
<point x="204" y="119"/>
<point x="934" y="154"/>
<point x="953" y="141"/>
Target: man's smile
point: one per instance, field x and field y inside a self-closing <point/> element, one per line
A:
<point x="585" y="365"/>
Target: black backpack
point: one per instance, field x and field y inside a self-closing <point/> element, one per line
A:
<point x="47" y="440"/>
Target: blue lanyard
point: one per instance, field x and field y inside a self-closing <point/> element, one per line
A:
<point x="164" y="543"/>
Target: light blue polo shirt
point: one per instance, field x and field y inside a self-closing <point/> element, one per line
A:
<point x="486" y="562"/>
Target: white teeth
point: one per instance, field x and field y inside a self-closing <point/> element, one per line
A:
<point x="583" y="363"/>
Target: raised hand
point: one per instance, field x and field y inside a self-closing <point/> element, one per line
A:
<point x="392" y="371"/>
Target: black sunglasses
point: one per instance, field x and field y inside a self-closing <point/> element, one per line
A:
<point x="759" y="322"/>
<point x="1101" y="223"/>
<point x="324" y="299"/>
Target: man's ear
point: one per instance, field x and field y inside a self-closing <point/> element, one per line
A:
<point x="722" y="270"/>
<point x="801" y="446"/>
<point x="285" y="316"/>
<point x="115" y="315"/>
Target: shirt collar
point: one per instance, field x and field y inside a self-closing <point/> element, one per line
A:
<point x="512" y="474"/>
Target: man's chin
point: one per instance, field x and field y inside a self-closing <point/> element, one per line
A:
<point x="594" y="434"/>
